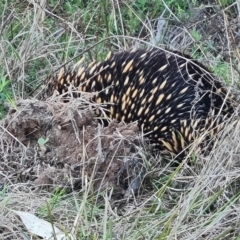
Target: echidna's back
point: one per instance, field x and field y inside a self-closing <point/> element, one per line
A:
<point x="173" y="98"/>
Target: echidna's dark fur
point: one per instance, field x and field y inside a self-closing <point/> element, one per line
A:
<point x="174" y="99"/>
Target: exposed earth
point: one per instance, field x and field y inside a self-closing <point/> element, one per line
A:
<point x="51" y="143"/>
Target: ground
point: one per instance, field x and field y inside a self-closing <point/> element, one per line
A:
<point x="74" y="145"/>
<point x="49" y="146"/>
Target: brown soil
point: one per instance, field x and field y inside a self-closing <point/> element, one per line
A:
<point x="77" y="147"/>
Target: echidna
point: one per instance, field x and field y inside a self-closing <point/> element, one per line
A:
<point x="174" y="99"/>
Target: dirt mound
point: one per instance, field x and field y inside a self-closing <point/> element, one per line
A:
<point x="54" y="143"/>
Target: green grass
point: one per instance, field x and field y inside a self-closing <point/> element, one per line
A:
<point x="67" y="28"/>
<point x="6" y="96"/>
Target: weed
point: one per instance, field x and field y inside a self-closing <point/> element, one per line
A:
<point x="42" y="141"/>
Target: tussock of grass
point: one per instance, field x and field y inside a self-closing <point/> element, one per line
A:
<point x="191" y="202"/>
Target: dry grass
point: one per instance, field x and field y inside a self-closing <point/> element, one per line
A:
<point x="191" y="202"/>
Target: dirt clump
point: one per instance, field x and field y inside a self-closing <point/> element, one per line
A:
<point x="53" y="143"/>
